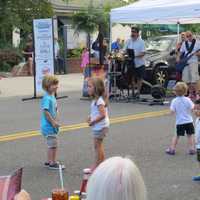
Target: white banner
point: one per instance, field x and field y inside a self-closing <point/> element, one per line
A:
<point x="44" y="51"/>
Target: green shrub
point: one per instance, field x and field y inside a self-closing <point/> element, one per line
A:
<point x="5" y="67"/>
<point x="74" y="53"/>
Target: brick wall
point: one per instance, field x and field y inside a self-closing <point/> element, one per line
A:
<point x="73" y="65"/>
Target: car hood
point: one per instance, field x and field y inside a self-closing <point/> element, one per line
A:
<point x="154" y="55"/>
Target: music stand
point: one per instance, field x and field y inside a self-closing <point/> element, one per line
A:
<point x="131" y="54"/>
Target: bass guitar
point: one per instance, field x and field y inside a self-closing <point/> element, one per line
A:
<point x="184" y="62"/>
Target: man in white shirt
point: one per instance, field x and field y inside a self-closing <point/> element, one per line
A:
<point x="190" y="74"/>
<point x="138" y="45"/>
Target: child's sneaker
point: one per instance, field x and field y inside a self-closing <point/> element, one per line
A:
<point x="196" y="178"/>
<point x="46" y="164"/>
<point x="56" y="166"/>
<point x="191" y="152"/>
<point x="170" y="151"/>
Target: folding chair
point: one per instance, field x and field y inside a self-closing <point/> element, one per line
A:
<point x="10" y="185"/>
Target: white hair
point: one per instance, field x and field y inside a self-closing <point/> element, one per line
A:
<point x="116" y="178"/>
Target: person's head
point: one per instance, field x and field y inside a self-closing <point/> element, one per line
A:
<point x="181" y="89"/>
<point x="84" y="49"/>
<point x="116" y="178"/>
<point x="22" y="195"/>
<point x="50" y="84"/>
<point x="96" y="87"/>
<point x="183" y="36"/>
<point x="189" y="36"/>
<point x="197" y="108"/>
<point x="118" y="40"/>
<point x="135" y="31"/>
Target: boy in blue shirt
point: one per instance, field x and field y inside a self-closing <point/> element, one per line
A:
<point x="49" y="121"/>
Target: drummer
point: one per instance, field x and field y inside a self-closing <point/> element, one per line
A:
<point x="138" y="71"/>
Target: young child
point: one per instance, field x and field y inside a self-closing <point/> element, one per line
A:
<point x="197" y="134"/>
<point x="84" y="59"/>
<point x="49" y="121"/>
<point x="98" y="120"/>
<point x="182" y="107"/>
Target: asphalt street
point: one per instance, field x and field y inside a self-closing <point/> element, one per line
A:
<point x="144" y="137"/>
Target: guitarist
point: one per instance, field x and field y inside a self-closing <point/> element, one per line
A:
<point x="178" y="47"/>
<point x="190" y="73"/>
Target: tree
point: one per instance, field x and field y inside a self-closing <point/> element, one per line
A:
<point x="20" y="14"/>
<point x="90" y="20"/>
<point x="195" y="28"/>
<point x="94" y="19"/>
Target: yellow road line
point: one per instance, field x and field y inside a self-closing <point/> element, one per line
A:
<point x="63" y="129"/>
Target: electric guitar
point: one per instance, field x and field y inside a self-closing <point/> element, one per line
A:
<point x="184" y="61"/>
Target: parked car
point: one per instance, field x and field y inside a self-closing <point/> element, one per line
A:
<point x="160" y="59"/>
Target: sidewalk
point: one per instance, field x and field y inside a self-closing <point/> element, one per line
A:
<point x="23" y="86"/>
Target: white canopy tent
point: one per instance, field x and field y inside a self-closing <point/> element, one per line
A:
<point x="158" y="12"/>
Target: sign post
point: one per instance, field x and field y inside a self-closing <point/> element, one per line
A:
<point x="44" y="56"/>
<point x="43" y="49"/>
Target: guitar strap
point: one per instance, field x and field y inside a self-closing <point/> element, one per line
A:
<point x="191" y="47"/>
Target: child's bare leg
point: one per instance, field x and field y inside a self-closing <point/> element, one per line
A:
<point x="52" y="153"/>
<point x="174" y="142"/>
<point x="191" y="142"/>
<point x="52" y="149"/>
<point x="49" y="155"/>
<point x="99" y="151"/>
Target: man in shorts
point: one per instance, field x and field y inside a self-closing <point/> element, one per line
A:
<point x="190" y="74"/>
<point x="138" y="45"/>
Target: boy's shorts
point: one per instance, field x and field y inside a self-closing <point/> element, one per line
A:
<point x="52" y="141"/>
<point x="182" y="129"/>
<point x="100" y="134"/>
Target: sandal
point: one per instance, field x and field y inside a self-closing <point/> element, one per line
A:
<point x="191" y="152"/>
<point x="170" y="151"/>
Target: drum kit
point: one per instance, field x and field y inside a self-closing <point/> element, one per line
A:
<point x="120" y="73"/>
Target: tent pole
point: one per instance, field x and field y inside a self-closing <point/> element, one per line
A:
<point x="110" y="43"/>
<point x="110" y="61"/>
<point x="178" y="31"/>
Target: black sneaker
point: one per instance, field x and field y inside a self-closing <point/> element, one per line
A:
<point x="46" y="164"/>
<point x="56" y="166"/>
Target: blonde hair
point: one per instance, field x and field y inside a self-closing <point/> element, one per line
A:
<point x="49" y="80"/>
<point x="188" y="33"/>
<point x="99" y="89"/>
<point x="181" y="89"/>
<point x="116" y="178"/>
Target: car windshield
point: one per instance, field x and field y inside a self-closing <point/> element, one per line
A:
<point x="158" y="44"/>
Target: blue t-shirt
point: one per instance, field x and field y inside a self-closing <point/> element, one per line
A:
<point x="48" y="103"/>
<point x="115" y="46"/>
